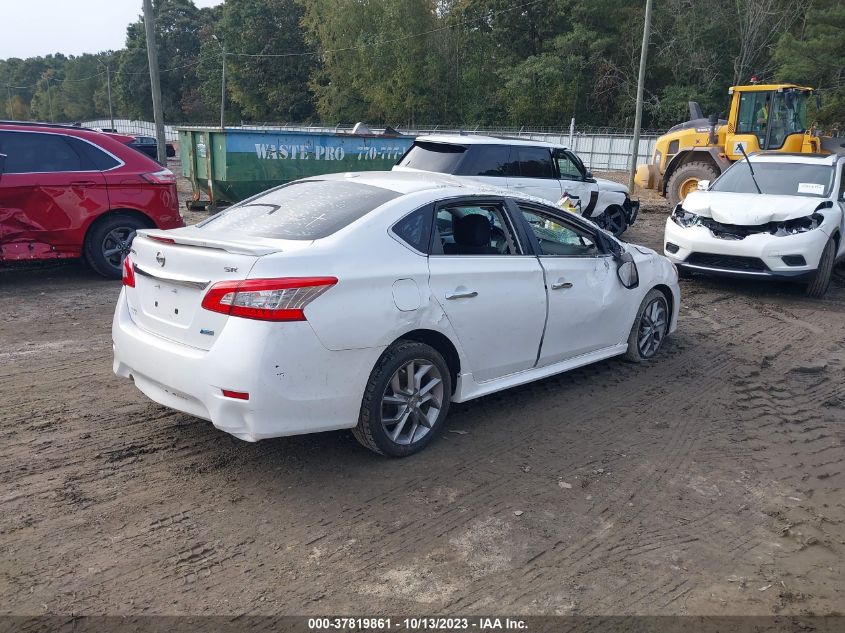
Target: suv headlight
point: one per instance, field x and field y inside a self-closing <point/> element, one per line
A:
<point x="798" y="225"/>
<point x="684" y="218"/>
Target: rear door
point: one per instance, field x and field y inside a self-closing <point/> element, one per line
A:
<point x="490" y="164"/>
<point x="489" y="286"/>
<point x="48" y="193"/>
<point x="534" y="172"/>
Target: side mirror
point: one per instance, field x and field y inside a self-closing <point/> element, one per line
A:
<point x="627" y="271"/>
<point x="588" y="174"/>
<point x="703" y="185"/>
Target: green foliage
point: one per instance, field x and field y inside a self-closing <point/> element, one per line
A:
<point x="427" y="62"/>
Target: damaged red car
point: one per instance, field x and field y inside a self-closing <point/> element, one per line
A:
<point x="71" y="192"/>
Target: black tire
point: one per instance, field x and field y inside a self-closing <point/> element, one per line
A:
<point x="821" y="278"/>
<point x="684" y="173"/>
<point x="371" y="431"/>
<point x="635" y="352"/>
<point x="108" y="243"/>
<point x="615" y="220"/>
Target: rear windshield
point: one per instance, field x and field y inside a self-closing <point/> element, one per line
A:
<point x="782" y="179"/>
<point x="440" y="157"/>
<point x="306" y="210"/>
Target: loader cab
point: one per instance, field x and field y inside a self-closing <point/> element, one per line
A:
<point x="767" y="117"/>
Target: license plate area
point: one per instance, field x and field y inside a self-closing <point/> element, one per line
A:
<point x="169" y="303"/>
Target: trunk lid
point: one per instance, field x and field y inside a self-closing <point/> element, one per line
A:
<point x="173" y="272"/>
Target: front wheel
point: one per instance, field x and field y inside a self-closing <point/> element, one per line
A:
<point x="406" y="400"/>
<point x="821" y="278"/>
<point x="108" y="243"/>
<point x="651" y="327"/>
<point x="615" y="220"/>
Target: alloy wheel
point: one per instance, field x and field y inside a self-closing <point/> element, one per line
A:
<point x="653" y="325"/>
<point x="412" y="401"/>
<point x="116" y="245"/>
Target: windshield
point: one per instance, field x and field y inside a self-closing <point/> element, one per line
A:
<point x="782" y="179"/>
<point x="772" y="116"/>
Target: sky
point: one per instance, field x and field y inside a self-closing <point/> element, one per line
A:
<point x="30" y="28"/>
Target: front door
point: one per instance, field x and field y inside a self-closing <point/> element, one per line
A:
<point x="583" y="291"/>
<point x="492" y="293"/>
<point x="573" y="182"/>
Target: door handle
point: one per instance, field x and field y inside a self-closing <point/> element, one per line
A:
<point x="561" y="285"/>
<point x="464" y="294"/>
<point x="82" y="183"/>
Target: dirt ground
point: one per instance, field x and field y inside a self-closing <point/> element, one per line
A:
<point x="709" y="481"/>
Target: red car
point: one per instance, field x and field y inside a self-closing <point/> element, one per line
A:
<point x="71" y="192"/>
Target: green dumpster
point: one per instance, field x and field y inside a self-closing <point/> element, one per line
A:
<point x="231" y="164"/>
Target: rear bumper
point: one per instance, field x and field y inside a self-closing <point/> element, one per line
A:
<point x="295" y="384"/>
<point x="769" y="249"/>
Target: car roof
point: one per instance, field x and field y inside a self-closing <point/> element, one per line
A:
<point x="477" y="139"/>
<point x="58" y="128"/>
<point x="410" y="182"/>
<point x="794" y="157"/>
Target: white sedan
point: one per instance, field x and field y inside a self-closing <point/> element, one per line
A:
<point x="372" y="300"/>
<point x="776" y="216"/>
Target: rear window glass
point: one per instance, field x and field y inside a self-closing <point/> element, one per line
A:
<point x="440" y="157"/>
<point x="307" y="210"/>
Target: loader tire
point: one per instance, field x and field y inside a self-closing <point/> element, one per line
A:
<point x="685" y="179"/>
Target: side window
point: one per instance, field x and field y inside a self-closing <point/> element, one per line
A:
<point x="534" y="162"/>
<point x="488" y="160"/>
<point x="93" y="157"/>
<point x="469" y="229"/>
<point x="415" y="229"/>
<point x="568" y="168"/>
<point x="28" y="152"/>
<point x="558" y="238"/>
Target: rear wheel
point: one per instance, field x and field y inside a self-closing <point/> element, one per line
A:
<point x="650" y="327"/>
<point x="821" y="278"/>
<point x="685" y="180"/>
<point x="406" y="400"/>
<point x="108" y="242"/>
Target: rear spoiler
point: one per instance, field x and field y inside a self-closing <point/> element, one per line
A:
<point x="255" y="246"/>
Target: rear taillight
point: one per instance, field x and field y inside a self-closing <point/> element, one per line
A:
<point x="266" y="299"/>
<point x="128" y="273"/>
<point x="163" y="177"/>
<point x="163" y="240"/>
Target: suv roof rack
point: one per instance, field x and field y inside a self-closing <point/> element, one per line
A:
<point x="47" y="125"/>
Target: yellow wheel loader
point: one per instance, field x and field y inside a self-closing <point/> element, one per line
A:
<point x="769" y="117"/>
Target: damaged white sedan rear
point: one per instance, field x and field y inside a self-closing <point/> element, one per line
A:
<point x="371" y="301"/>
<point x="778" y="216"/>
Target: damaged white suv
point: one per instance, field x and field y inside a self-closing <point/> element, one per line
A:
<point x="545" y="170"/>
<point x="771" y="216"/>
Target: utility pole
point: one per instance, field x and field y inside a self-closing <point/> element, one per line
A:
<point x="155" y="84"/>
<point x="108" y="89"/>
<point x="635" y="143"/>
<point x="49" y="99"/>
<point x="222" y="83"/>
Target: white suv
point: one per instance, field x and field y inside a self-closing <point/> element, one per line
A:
<point x="541" y="169"/>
